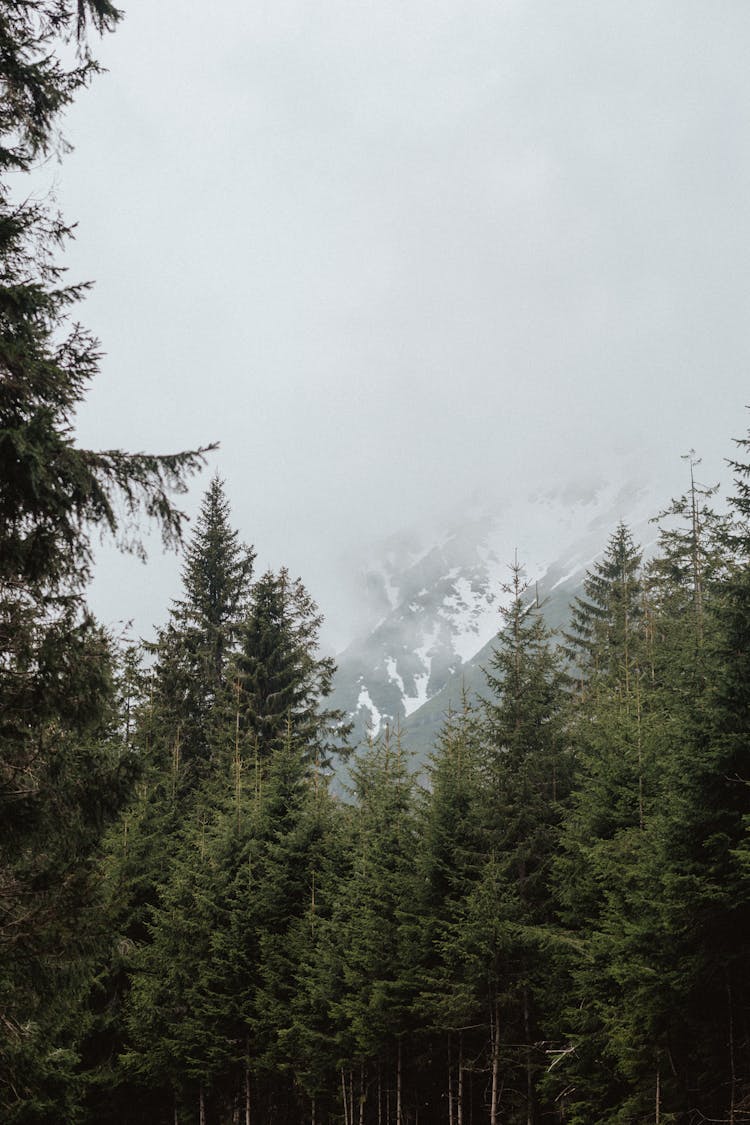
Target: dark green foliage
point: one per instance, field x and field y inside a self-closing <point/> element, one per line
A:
<point x="374" y="918"/>
<point x="553" y="931"/>
<point x="281" y="678"/>
<point x="63" y="769"/>
<point x="526" y="774"/>
<point x="190" y="687"/>
<point x="450" y="857"/>
<point x="37" y="84"/>
<point x="602" y="640"/>
<point x="192" y="929"/>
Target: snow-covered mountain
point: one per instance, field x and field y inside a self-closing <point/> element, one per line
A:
<point x="435" y="600"/>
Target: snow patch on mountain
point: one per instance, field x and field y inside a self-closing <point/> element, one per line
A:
<point x="414" y="702"/>
<point x="393" y="673"/>
<point x="367" y="709"/>
<point x="435" y="600"/>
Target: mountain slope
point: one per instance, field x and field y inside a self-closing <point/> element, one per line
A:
<point x="438" y="601"/>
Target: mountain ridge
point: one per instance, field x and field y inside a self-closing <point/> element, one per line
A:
<point x="435" y="602"/>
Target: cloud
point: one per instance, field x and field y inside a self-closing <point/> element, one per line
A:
<point x="392" y="253"/>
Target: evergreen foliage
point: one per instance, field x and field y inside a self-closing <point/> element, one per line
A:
<point x="63" y="773"/>
<point x="602" y="638"/>
<point x="194" y="651"/>
<point x="281" y="678"/>
<point x="195" y="929"/>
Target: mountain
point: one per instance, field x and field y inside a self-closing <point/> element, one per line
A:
<point x="435" y="600"/>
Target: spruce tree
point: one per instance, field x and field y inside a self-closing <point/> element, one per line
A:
<point x="375" y="931"/>
<point x="192" y="693"/>
<point x="281" y="678"/>
<point x="527" y="776"/>
<point x="449" y="860"/>
<point x="706" y="895"/>
<point x="602" y="639"/>
<point x="61" y="774"/>
<point x="603" y="840"/>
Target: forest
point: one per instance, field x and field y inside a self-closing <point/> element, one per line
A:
<point x="215" y="911"/>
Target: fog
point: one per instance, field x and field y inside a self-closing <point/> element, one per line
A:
<point x="395" y="254"/>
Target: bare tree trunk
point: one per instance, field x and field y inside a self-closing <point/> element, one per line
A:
<point x="460" y="1106"/>
<point x="201" y="1106"/>
<point x="451" y="1106"/>
<point x="313" y="1115"/>
<point x="351" y="1097"/>
<point x="657" y="1113"/>
<point x="343" y="1097"/>
<point x="247" y="1090"/>
<point x="399" y="1115"/>
<point x="495" y="1041"/>
<point x="361" y="1094"/>
<point x="530" y="1109"/>
<point x="732" y="1066"/>
<point x="380" y="1093"/>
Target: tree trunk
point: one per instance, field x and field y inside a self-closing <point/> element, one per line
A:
<point x="380" y="1093"/>
<point x="343" y="1097"/>
<point x="450" y="1084"/>
<point x="361" y="1094"/>
<point x="247" y="1092"/>
<point x="460" y="1105"/>
<point x="399" y="1116"/>
<point x="201" y="1106"/>
<point x="351" y="1097"/>
<point x="732" y="1065"/>
<point x="495" y="1041"/>
<point x="530" y="1107"/>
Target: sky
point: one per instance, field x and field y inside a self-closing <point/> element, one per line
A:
<point x="392" y="254"/>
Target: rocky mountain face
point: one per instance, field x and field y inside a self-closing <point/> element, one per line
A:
<point x="435" y="601"/>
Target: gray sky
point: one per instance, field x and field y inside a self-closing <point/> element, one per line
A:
<point x="390" y="253"/>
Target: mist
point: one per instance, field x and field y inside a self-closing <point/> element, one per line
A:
<point x="396" y="256"/>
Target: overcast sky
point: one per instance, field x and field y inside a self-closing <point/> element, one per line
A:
<point x="390" y="253"/>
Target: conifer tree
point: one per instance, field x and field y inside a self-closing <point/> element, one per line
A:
<point x="281" y="677"/>
<point x="374" y="931"/>
<point x="604" y="837"/>
<point x="706" y="880"/>
<point x="683" y="578"/>
<point x="177" y="1051"/>
<point x="602" y="640"/>
<point x="449" y="860"/>
<point x="61" y="775"/>
<point x="312" y="1039"/>
<point x="193" y="652"/>
<point x="627" y="884"/>
<point x="526" y="776"/>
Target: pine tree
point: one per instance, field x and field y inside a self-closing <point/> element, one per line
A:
<point x="281" y="677"/>
<point x="61" y="775"/>
<point x="177" y="1050"/>
<point x="682" y="580"/>
<point x="603" y="841"/>
<point x="374" y="929"/>
<point x="449" y="860"/>
<point x="527" y="770"/>
<point x="706" y="881"/>
<point x="192" y="693"/>
<point x="602" y="641"/>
